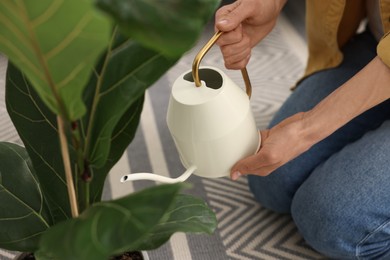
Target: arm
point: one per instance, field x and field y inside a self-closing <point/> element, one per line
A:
<point x="298" y="133"/>
<point x="365" y="90"/>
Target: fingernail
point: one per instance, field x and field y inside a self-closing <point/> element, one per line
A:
<point x="236" y="175"/>
<point x="223" y="21"/>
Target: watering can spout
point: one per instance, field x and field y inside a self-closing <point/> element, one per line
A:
<point x="158" y="178"/>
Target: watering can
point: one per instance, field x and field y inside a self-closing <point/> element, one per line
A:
<point x="210" y="120"/>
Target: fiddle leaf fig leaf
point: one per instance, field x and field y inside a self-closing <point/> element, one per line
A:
<point x="142" y="220"/>
<point x="24" y="215"/>
<point x="170" y="26"/>
<point x="119" y="83"/>
<point x="36" y="126"/>
<point x="189" y="214"/>
<point x="122" y="135"/>
<point x="50" y="41"/>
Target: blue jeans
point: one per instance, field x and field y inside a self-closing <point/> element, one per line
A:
<point x="338" y="192"/>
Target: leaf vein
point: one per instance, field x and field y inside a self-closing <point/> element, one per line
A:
<point x="70" y="37"/>
<point x="16" y="218"/>
<point x="49" y="12"/>
<point x="7" y="23"/>
<point x="129" y="75"/>
<point x="22" y="57"/>
<point x="22" y="239"/>
<point x="44" y="161"/>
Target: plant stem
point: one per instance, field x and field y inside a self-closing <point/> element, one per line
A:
<point x="96" y="97"/>
<point x="67" y="167"/>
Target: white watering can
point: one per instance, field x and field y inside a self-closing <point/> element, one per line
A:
<point x="211" y="122"/>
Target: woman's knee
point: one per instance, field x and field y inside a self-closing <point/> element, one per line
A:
<point x="337" y="229"/>
<point x="342" y="209"/>
<point x="319" y="223"/>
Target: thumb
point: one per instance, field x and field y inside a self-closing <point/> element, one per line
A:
<point x="255" y="165"/>
<point x="229" y="17"/>
<point x="244" y="167"/>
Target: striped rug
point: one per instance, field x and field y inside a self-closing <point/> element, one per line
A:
<point x="245" y="230"/>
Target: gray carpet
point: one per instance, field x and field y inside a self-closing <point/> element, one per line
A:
<point x="245" y="230"/>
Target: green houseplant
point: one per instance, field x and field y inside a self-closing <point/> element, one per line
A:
<point x="77" y="73"/>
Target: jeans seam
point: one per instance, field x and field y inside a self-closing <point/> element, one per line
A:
<point x="369" y="235"/>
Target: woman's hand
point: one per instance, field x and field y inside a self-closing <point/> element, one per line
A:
<point x="245" y="23"/>
<point x="279" y="145"/>
<point x="296" y="134"/>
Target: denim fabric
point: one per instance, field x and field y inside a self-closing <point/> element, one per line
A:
<point x="338" y="192"/>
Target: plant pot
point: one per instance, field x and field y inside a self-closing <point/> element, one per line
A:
<point x="24" y="256"/>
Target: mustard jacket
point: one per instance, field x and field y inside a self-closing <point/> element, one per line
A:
<point x="331" y="23"/>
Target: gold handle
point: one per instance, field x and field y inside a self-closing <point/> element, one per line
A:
<point x="199" y="57"/>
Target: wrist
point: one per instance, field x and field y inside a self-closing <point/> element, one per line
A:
<point x="312" y="131"/>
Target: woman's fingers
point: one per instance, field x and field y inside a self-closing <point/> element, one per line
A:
<point x="230" y="16"/>
<point x="240" y="57"/>
<point x="254" y="164"/>
<point x="261" y="164"/>
<point x="231" y="37"/>
<point x="236" y="54"/>
<point x="239" y="64"/>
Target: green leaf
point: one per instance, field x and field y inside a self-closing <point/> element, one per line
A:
<point x="36" y="126"/>
<point x="170" y="26"/>
<point x="24" y="215"/>
<point x="110" y="228"/>
<point x="122" y="135"/>
<point x="118" y="83"/>
<point x="50" y="41"/>
<point x="189" y="214"/>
